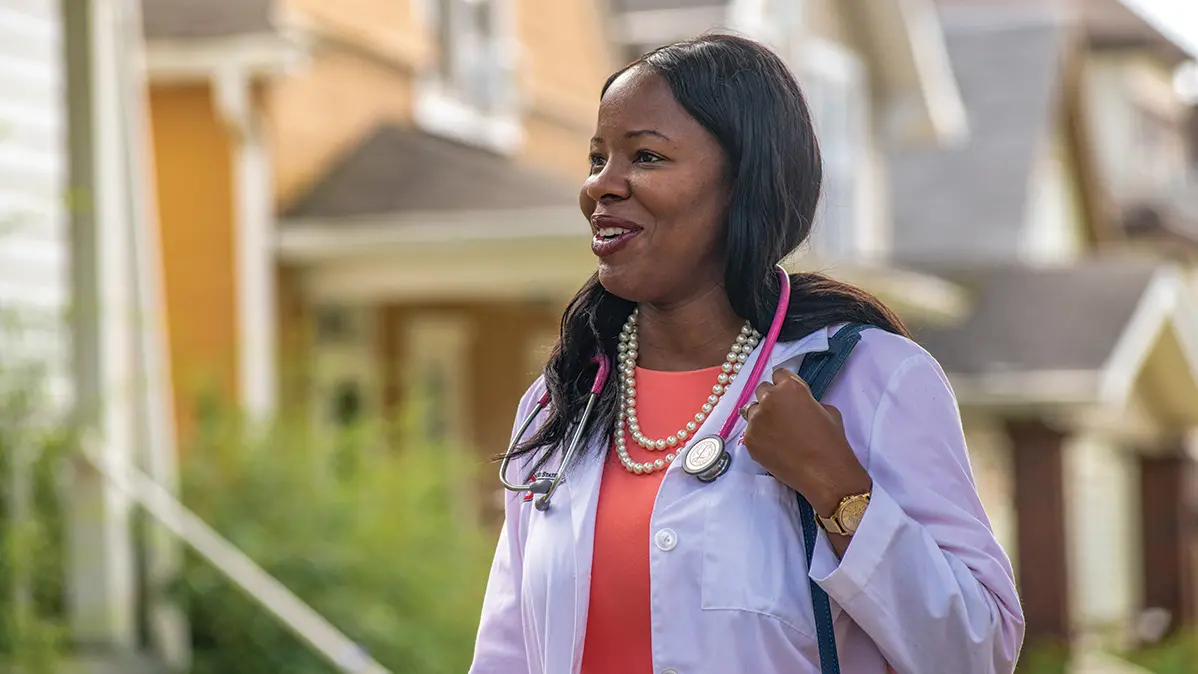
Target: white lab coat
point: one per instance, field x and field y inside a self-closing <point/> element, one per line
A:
<point x="923" y="586"/>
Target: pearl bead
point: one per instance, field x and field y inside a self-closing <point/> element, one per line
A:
<point x="731" y="356"/>
<point x="690" y="426"/>
<point x="726" y="367"/>
<point x="682" y="435"/>
<point x="747" y="329"/>
<point x="742" y="357"/>
<point x="659" y="464"/>
<point x="736" y="367"/>
<point x="700" y="417"/>
<point x="718" y="389"/>
<point x="713" y="399"/>
<point x="672" y="441"/>
<point x="723" y="378"/>
<point x="661" y="444"/>
<point x="707" y="407"/>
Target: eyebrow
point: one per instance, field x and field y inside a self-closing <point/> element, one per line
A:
<point x="638" y="132"/>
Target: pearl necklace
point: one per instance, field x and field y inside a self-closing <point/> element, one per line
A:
<point x="746" y="341"/>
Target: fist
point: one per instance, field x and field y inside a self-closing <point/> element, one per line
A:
<point x="802" y="442"/>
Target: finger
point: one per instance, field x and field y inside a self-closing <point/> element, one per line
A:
<point x="782" y="374"/>
<point x="754" y="408"/>
<point x="762" y="390"/>
<point x="834" y="413"/>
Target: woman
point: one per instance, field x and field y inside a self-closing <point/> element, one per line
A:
<point x="705" y="173"/>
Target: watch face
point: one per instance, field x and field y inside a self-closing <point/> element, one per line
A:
<point x="852" y="513"/>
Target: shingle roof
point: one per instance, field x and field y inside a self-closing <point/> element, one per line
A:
<point x="400" y="169"/>
<point x="970" y="202"/>
<point x="1027" y="320"/>
<point x="192" y="19"/>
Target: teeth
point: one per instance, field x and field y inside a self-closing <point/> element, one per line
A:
<point x="613" y="231"/>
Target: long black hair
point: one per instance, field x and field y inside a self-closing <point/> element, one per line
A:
<point x="746" y="97"/>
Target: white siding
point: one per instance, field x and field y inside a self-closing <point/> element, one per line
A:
<point x="33" y="233"/>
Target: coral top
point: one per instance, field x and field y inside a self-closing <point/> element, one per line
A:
<point x="618" y="621"/>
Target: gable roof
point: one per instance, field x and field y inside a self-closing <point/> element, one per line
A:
<point x="192" y="19"/>
<point x="969" y="200"/>
<point x="396" y="169"/>
<point x="1026" y="319"/>
<point x="1080" y="335"/>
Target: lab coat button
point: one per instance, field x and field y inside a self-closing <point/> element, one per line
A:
<point x="666" y="540"/>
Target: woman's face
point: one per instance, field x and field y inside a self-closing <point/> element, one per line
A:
<point x="656" y="195"/>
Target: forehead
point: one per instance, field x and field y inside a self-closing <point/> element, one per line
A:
<point x="640" y="99"/>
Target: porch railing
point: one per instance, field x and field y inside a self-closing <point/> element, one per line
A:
<point x="300" y="618"/>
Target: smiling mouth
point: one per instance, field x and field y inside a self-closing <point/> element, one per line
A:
<point x="610" y="233"/>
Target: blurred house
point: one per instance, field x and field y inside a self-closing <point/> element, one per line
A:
<point x="361" y="202"/>
<point x="1068" y="220"/>
<point x="364" y="199"/>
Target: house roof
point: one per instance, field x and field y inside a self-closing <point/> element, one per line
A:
<point x="397" y="169"/>
<point x="193" y="19"/>
<point x="969" y="200"/>
<point x="1034" y="320"/>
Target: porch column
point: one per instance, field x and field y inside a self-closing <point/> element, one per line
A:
<point x="1167" y="512"/>
<point x="1043" y="573"/>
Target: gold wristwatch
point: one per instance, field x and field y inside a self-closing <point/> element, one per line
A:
<point x="847" y="517"/>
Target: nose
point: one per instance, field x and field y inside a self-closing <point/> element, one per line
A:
<point x="607" y="184"/>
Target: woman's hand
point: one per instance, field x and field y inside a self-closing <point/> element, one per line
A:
<point x="802" y="443"/>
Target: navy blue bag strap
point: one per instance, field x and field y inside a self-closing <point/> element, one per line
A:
<point x="818" y="370"/>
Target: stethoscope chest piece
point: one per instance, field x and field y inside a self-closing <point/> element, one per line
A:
<point x="707" y="459"/>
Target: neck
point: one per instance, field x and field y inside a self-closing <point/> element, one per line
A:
<point x="691" y="335"/>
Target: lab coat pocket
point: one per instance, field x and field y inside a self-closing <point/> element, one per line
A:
<point x="753" y="558"/>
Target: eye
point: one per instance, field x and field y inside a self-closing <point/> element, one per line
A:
<point x="597" y="161"/>
<point x="648" y="157"/>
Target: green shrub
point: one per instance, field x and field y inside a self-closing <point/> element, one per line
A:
<point x="1175" y="655"/>
<point x="32" y="442"/>
<point x="371" y="543"/>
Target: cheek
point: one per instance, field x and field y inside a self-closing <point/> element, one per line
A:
<point x="698" y="218"/>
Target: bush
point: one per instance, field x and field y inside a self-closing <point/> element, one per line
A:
<point x="1175" y="655"/>
<point x="368" y="538"/>
<point x="32" y="441"/>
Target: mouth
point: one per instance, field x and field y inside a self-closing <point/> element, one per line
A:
<point x="610" y="235"/>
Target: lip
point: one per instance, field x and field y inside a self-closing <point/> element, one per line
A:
<point x="607" y="247"/>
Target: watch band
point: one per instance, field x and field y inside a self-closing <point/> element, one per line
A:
<point x="835" y="523"/>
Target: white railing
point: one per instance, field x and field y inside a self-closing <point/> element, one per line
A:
<point x="340" y="651"/>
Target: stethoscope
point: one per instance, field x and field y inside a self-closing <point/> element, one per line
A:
<point x="706" y="459"/>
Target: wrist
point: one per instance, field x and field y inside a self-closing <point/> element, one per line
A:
<point x="829" y="498"/>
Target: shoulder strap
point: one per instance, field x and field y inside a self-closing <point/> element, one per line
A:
<point x="819" y="370"/>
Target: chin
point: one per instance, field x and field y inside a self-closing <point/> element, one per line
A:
<point x="621" y="282"/>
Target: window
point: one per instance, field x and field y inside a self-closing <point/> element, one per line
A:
<point x="834" y="82"/>
<point x="470" y="92"/>
<point x="1159" y="152"/>
<point x="436" y="373"/>
<point x="468" y="42"/>
<point x="344" y="365"/>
